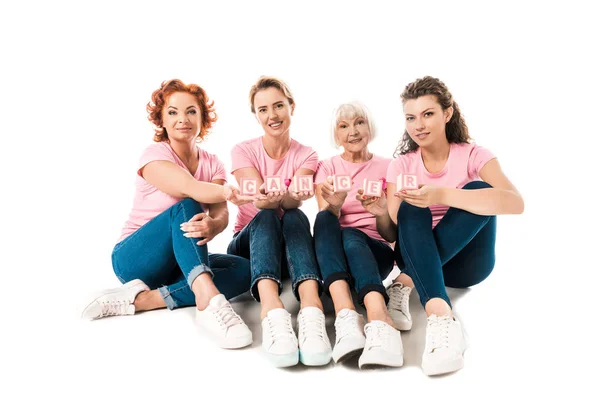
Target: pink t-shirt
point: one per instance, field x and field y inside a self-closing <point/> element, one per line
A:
<point x="353" y="214"/>
<point x="149" y="201"/>
<point x="463" y="165"/>
<point x="251" y="153"/>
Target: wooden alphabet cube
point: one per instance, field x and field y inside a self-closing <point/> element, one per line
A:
<point x="273" y="184"/>
<point x="372" y="187"/>
<point x="249" y="186"/>
<point x="342" y="183"/>
<point x="302" y="183"/>
<point x="406" y="181"/>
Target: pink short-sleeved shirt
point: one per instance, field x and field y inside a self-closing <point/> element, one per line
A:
<point x="353" y="214"/>
<point x="251" y="153"/>
<point x="149" y="201"/>
<point x="465" y="160"/>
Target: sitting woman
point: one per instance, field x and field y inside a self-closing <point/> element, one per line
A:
<point x="350" y="251"/>
<point x="180" y="198"/>
<point x="443" y="216"/>
<point x="275" y="235"/>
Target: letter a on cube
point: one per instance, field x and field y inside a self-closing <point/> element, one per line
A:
<point x="372" y="187"/>
<point x="273" y="184"/>
<point x="249" y="186"/>
<point x="342" y="183"/>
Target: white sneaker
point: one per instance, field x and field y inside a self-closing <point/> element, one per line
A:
<point x="223" y="324"/>
<point x="279" y="340"/>
<point x="117" y="301"/>
<point x="383" y="346"/>
<point x="349" y="334"/>
<point x="315" y="348"/>
<point x="445" y="344"/>
<point x="398" y="306"/>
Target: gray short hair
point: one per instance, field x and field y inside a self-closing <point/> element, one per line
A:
<point x="353" y="109"/>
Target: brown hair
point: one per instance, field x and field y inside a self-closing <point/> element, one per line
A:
<point x="265" y="82"/>
<point x="456" y="128"/>
<point x="159" y="97"/>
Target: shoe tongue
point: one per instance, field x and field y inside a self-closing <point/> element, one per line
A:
<point x="311" y="311"/>
<point x="278" y="312"/>
<point x="344" y="313"/>
<point x="218" y="301"/>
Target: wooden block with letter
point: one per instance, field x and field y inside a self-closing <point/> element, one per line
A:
<point x="342" y="183"/>
<point x="406" y="181"/>
<point x="372" y="188"/>
<point x="248" y="186"/>
<point x="273" y="184"/>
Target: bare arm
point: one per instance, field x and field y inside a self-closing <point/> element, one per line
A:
<point x="294" y="200"/>
<point x="219" y="212"/>
<point x="328" y="200"/>
<point x="176" y="181"/>
<point x="502" y="198"/>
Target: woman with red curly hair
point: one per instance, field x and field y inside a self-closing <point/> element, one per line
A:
<point x="179" y="206"/>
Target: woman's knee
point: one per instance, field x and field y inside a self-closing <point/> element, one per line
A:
<point x="407" y="212"/>
<point x="477" y="185"/>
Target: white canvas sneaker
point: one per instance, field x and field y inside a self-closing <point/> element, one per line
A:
<point x="315" y="348"/>
<point x="117" y="301"/>
<point x="383" y="346"/>
<point x="445" y="344"/>
<point x="279" y="340"/>
<point x="398" y="306"/>
<point x="219" y="321"/>
<point x="349" y="334"/>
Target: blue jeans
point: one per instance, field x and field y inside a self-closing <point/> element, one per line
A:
<point x="458" y="252"/>
<point x="267" y="239"/>
<point x="159" y="254"/>
<point x="351" y="255"/>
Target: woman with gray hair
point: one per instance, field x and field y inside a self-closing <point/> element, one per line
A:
<point x="350" y="251"/>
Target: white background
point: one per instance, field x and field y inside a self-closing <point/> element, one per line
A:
<point x="75" y="81"/>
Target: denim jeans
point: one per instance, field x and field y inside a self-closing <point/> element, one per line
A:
<point x="351" y="255"/>
<point x="159" y="254"/>
<point x="267" y="239"/>
<point x="458" y="252"/>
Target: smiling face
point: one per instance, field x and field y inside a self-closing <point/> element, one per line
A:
<point x="181" y="117"/>
<point x="425" y="120"/>
<point x="273" y="111"/>
<point x="352" y="133"/>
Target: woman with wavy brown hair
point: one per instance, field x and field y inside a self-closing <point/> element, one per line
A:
<point x="443" y="216"/>
<point x="179" y="206"/>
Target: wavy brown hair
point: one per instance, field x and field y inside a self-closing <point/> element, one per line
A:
<point x="456" y="128"/>
<point x="265" y="82"/>
<point x="159" y="97"/>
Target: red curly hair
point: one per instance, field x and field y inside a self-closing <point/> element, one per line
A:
<point x="159" y="98"/>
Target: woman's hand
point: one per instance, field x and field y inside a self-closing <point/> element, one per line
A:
<point x="375" y="205"/>
<point x="232" y="194"/>
<point x="336" y="199"/>
<point x="423" y="197"/>
<point x="201" y="226"/>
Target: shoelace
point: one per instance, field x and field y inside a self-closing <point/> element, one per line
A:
<point x="114" y="308"/>
<point x="280" y="328"/>
<point x="399" y="296"/>
<point x="438" y="329"/>
<point x="313" y="324"/>
<point x="376" y="335"/>
<point x="346" y="326"/>
<point x="227" y="317"/>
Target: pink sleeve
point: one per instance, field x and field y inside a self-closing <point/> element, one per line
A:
<point x="311" y="161"/>
<point x="218" y="170"/>
<point x="477" y="159"/>
<point x="395" y="168"/>
<point x="155" y="152"/>
<point x="323" y="171"/>
<point x="241" y="157"/>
